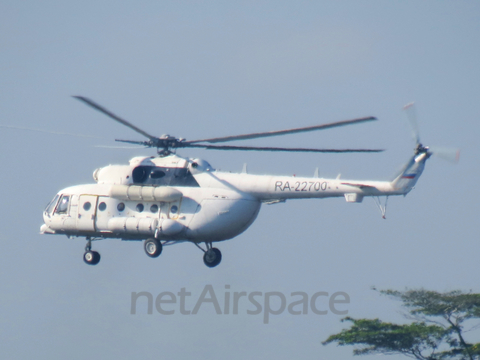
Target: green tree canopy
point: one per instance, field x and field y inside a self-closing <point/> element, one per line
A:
<point x="437" y="330"/>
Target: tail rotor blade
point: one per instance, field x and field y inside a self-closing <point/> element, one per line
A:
<point x="412" y="120"/>
<point x="446" y="153"/>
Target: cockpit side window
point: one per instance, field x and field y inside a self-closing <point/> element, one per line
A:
<point x="62" y="207"/>
<point x="51" y="204"/>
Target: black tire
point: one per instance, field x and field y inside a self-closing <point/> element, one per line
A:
<point x="153" y="247"/>
<point x="91" y="257"/>
<point x="212" y="257"/>
<point x="96" y="257"/>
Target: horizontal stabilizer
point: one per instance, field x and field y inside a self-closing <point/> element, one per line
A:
<point x="361" y="186"/>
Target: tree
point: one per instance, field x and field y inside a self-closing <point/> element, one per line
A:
<point x="437" y="331"/>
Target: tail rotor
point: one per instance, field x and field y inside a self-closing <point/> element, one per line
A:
<point x="446" y="153"/>
<point x="412" y="120"/>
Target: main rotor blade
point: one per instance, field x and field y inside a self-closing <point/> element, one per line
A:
<point x="119" y="147"/>
<point x="144" y="143"/>
<point x="282" y="132"/>
<point x="255" y="148"/>
<point x="113" y="116"/>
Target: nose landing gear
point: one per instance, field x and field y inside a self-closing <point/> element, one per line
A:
<point x="90" y="257"/>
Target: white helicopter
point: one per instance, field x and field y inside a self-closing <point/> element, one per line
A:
<point x="168" y="199"/>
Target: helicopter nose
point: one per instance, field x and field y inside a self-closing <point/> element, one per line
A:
<point x="44" y="229"/>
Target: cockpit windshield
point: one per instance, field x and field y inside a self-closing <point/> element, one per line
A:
<point x="62" y="207"/>
<point x="51" y="205"/>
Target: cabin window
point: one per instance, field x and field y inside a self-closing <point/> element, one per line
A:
<point x="87" y="206"/>
<point x="157" y="174"/>
<point x="51" y="205"/>
<point x="163" y="176"/>
<point x="174" y="209"/>
<point x="121" y="207"/>
<point x="62" y="207"/>
<point x="154" y="208"/>
<point x="102" y="206"/>
<point x="140" y="207"/>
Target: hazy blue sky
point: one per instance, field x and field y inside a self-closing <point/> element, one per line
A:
<point x="203" y="69"/>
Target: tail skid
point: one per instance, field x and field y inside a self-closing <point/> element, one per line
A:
<point x="406" y="180"/>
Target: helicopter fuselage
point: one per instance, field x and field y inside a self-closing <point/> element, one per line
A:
<point x="173" y="198"/>
<point x="168" y="199"/>
<point x="198" y="214"/>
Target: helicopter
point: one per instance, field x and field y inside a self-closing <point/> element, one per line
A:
<point x="166" y="199"/>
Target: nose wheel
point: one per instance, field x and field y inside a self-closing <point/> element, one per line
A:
<point x="90" y="257"/>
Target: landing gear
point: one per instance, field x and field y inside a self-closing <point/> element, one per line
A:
<point x="90" y="257"/>
<point x="212" y="256"/>
<point x="153" y="247"/>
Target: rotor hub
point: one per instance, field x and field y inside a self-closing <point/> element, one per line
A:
<point x="420" y="149"/>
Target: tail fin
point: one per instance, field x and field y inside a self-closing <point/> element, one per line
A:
<point x="408" y="177"/>
<point x="411" y="171"/>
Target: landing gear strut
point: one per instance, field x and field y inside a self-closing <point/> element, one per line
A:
<point x="382" y="208"/>
<point x="90" y="257"/>
<point x="212" y="256"/>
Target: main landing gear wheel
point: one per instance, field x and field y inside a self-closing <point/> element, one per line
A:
<point x="212" y="257"/>
<point x="91" y="257"/>
<point x="153" y="247"/>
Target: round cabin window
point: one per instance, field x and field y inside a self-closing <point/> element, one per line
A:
<point x="174" y="209"/>
<point x="121" y="207"/>
<point x="102" y="206"/>
<point x="87" y="206"/>
<point x="140" y="207"/>
<point x="154" y="208"/>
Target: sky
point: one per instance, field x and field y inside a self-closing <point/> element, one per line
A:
<point x="214" y="68"/>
